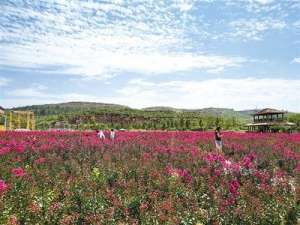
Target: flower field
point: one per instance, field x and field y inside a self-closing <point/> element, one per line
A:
<point x="148" y="178"/>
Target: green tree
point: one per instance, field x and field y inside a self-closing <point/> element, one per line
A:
<point x="181" y="123"/>
<point x="200" y="122"/>
<point x="187" y="124"/>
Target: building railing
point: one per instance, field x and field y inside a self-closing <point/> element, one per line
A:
<point x="269" y="120"/>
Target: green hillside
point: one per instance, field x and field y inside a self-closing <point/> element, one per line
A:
<point x="91" y="115"/>
<point x="70" y="107"/>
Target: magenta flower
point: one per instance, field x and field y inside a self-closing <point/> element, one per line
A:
<point x="4" y="150"/>
<point x="248" y="159"/>
<point x="18" y="172"/>
<point x="3" y="186"/>
<point x="178" y="172"/>
<point x="20" y="148"/>
<point x="234" y="186"/>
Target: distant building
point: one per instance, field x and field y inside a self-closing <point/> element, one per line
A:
<point x="60" y="125"/>
<point x="268" y="120"/>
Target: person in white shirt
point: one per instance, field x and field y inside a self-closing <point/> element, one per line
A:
<point x="112" y="134"/>
<point x="100" y="134"/>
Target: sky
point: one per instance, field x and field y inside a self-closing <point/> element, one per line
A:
<point x="240" y="54"/>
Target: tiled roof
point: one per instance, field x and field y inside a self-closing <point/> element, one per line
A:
<point x="269" y="111"/>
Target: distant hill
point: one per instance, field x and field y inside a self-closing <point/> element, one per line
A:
<point x="70" y="107"/>
<point x="93" y="115"/>
<point x="85" y="107"/>
<point x="249" y="112"/>
<point x="80" y="105"/>
<point x="162" y="109"/>
<point x="217" y="112"/>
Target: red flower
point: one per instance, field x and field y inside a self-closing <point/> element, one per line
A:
<point x="234" y="186"/>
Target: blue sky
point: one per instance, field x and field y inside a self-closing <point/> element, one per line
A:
<point x="239" y="54"/>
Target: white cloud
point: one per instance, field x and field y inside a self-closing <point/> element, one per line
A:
<point x="296" y="60"/>
<point x="102" y="39"/>
<point x="254" y="29"/>
<point x="81" y="38"/>
<point x="297" y="23"/>
<point x="39" y="94"/>
<point x="295" y="4"/>
<point x="3" y="81"/>
<point x="184" y="5"/>
<point x="263" y="2"/>
<point x="266" y="6"/>
<point x="231" y="93"/>
<point x="36" y="90"/>
<point x="77" y="97"/>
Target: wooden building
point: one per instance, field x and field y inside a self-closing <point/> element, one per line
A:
<point x="268" y="120"/>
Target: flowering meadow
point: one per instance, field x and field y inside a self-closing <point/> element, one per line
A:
<point x="148" y="178"/>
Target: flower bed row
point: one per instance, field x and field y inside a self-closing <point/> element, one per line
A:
<point x="148" y="178"/>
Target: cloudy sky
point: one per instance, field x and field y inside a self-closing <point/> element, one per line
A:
<point x="239" y="54"/>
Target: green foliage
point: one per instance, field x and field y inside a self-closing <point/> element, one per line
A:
<point x="295" y="118"/>
<point x="85" y="115"/>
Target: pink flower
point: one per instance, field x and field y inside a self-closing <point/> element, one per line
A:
<point x="234" y="186"/>
<point x="18" y="172"/>
<point x="13" y="220"/>
<point x="178" y="172"/>
<point x="194" y="151"/>
<point x="169" y="170"/>
<point x="40" y="160"/>
<point x="20" y="148"/>
<point x="212" y="158"/>
<point x="297" y="169"/>
<point x="229" y="201"/>
<point x="4" y="150"/>
<point x="248" y="160"/>
<point x="3" y="186"/>
<point x="146" y="156"/>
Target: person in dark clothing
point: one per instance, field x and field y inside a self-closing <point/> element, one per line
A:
<point x="218" y="139"/>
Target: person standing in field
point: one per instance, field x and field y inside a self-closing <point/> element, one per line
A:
<point x="112" y="134"/>
<point x="100" y="134"/>
<point x="218" y="139"/>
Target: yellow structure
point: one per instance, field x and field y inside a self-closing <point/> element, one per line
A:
<point x="2" y="116"/>
<point x="18" y="120"/>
